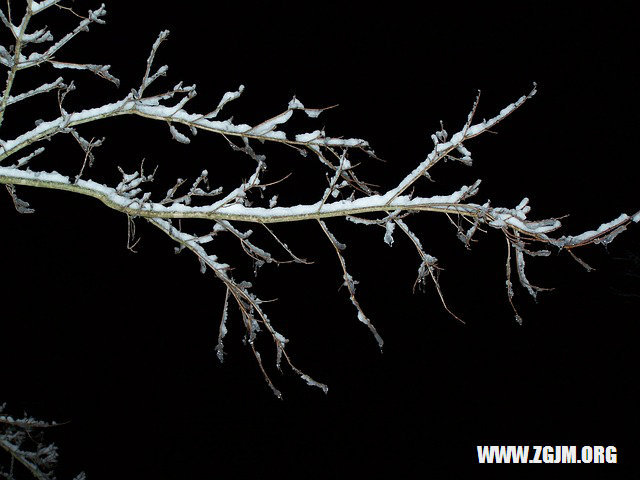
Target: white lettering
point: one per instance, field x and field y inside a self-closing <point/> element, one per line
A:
<point x="536" y="455"/>
<point x="587" y="454"/>
<point x="611" y="455"/>
<point x="598" y="454"/>
<point x="547" y="454"/>
<point x="569" y="454"/>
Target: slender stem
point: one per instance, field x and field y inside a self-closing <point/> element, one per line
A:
<point x="16" y="61"/>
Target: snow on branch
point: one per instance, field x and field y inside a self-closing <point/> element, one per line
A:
<point x="345" y="195"/>
<point x="37" y="58"/>
<point x="350" y="283"/>
<point x="23" y="440"/>
<point x="15" y="58"/>
<point x="46" y="87"/>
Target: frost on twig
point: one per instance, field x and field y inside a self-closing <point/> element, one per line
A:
<point x="193" y="213"/>
<point x="22" y="439"/>
<point x="15" y="58"/>
<point x="20" y="205"/>
<point x="350" y="283"/>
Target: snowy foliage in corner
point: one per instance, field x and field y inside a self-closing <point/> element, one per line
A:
<point x="22" y="439"/>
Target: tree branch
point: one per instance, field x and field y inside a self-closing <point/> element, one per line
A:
<point x="345" y="196"/>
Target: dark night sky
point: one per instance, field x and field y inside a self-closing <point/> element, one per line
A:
<point x="121" y="345"/>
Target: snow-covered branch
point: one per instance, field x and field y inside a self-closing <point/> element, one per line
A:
<point x="22" y="439"/>
<point x="345" y="195"/>
<point x="15" y="59"/>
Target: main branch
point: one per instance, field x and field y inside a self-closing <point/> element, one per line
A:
<point x="346" y="195"/>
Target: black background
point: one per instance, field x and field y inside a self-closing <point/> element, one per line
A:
<point x="121" y="345"/>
